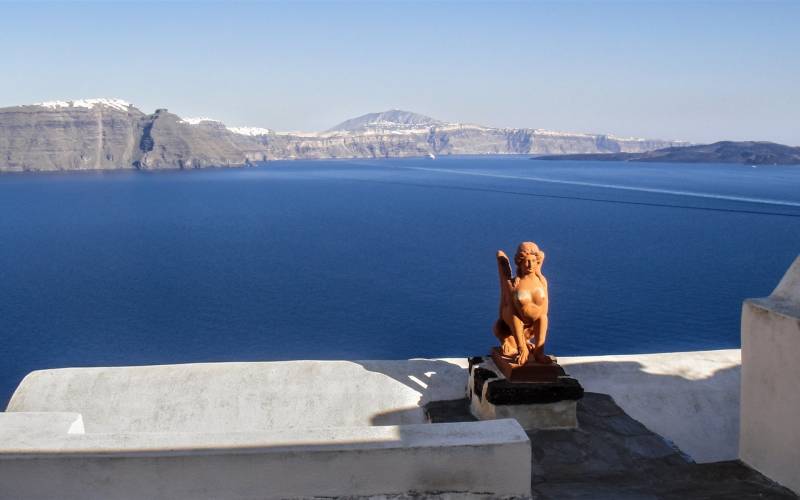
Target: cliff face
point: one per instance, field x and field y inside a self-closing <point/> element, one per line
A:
<point x="167" y="142"/>
<point x="78" y="138"/>
<point x="102" y="134"/>
<point x="450" y="141"/>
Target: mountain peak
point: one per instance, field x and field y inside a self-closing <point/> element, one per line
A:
<point x="393" y="119"/>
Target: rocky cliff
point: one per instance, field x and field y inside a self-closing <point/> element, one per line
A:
<point x="51" y="136"/>
<point x="103" y="134"/>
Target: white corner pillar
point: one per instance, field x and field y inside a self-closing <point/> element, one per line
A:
<point x="769" y="438"/>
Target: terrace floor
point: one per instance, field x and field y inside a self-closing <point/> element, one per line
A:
<point x="613" y="456"/>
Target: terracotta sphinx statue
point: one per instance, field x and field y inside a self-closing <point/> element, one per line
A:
<point x="522" y="323"/>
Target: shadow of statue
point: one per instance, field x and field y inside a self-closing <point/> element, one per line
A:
<point x="432" y="379"/>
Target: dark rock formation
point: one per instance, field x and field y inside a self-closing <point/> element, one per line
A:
<point x="748" y="153"/>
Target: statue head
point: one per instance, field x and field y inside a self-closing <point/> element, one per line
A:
<point x="528" y="258"/>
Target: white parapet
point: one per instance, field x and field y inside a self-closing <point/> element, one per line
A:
<point x="459" y="460"/>
<point x="243" y="397"/>
<point x="770" y="410"/>
<point x="37" y="427"/>
<point x="691" y="398"/>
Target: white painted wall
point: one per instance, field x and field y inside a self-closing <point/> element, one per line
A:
<point x="25" y="428"/>
<point x="243" y="397"/>
<point x="690" y="398"/>
<point x="461" y="460"/>
<point x="770" y="437"/>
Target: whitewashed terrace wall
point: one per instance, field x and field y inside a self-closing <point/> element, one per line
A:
<point x="770" y="435"/>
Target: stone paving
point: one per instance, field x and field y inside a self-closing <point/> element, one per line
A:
<point x="612" y="456"/>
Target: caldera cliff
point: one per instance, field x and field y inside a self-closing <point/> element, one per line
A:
<point x="111" y="134"/>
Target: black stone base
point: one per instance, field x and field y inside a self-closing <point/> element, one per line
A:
<point x="502" y="392"/>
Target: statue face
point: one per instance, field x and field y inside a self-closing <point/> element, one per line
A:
<point x="529" y="258"/>
<point x="529" y="263"/>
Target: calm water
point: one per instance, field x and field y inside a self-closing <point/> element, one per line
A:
<point x="380" y="259"/>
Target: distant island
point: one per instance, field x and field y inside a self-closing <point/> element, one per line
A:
<point x="746" y="152"/>
<point x="112" y="134"/>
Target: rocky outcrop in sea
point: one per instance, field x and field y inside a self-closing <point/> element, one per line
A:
<point x="743" y="152"/>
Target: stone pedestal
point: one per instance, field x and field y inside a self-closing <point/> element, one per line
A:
<point x="548" y="403"/>
<point x="530" y="371"/>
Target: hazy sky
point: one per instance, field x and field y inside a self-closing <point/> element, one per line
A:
<point x="699" y="71"/>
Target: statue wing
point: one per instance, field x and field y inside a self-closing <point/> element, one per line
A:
<point x="504" y="273"/>
<point x="504" y="268"/>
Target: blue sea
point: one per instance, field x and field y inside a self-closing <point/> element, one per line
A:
<point x="371" y="259"/>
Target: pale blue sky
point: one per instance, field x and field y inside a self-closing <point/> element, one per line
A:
<point x="700" y="71"/>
